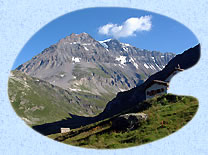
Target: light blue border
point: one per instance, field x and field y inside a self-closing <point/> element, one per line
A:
<point x="19" y="20"/>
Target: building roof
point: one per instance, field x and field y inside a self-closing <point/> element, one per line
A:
<point x="158" y="82"/>
<point x="161" y="82"/>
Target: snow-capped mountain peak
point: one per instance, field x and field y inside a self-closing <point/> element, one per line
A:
<point x="103" y="43"/>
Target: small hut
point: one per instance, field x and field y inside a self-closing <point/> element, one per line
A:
<point x="65" y="130"/>
<point x="158" y="87"/>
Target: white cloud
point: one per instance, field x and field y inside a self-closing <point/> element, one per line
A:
<point x="128" y="28"/>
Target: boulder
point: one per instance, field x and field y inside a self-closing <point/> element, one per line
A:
<point x="129" y="121"/>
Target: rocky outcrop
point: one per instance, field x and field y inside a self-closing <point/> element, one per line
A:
<point x="129" y="121"/>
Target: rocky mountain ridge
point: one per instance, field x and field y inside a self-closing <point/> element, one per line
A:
<point x="80" y="63"/>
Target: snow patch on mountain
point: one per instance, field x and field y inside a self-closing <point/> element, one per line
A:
<point x="152" y="67"/>
<point x="62" y="75"/>
<point x="146" y="66"/>
<point x="122" y="59"/>
<point x="125" y="44"/>
<point x="73" y="43"/>
<point x="153" y="59"/>
<point x="122" y="90"/>
<point x="73" y="89"/>
<point x="134" y="63"/>
<point x="125" y="49"/>
<point x="107" y="40"/>
<point x="86" y="48"/>
<point x="86" y="44"/>
<point x="103" y="43"/>
<point x="158" y="66"/>
<point x="76" y="59"/>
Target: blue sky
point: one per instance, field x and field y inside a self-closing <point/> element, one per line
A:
<point x="164" y="35"/>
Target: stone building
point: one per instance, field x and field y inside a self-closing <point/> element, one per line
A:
<point x="158" y="87"/>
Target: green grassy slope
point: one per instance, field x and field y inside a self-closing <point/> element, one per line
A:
<point x="166" y="114"/>
<point x="38" y="102"/>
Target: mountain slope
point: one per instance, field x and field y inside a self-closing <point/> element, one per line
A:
<point x="38" y="102"/>
<point x="79" y="63"/>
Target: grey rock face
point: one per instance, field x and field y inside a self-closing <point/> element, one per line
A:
<point x="80" y="63"/>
